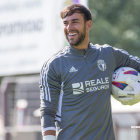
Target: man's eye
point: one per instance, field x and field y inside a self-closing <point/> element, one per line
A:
<point x="65" y="23"/>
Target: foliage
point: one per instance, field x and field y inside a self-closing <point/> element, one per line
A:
<point x="117" y="23"/>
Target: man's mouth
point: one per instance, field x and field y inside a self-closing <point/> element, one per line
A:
<point x="72" y="34"/>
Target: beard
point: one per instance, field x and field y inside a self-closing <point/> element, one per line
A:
<point x="79" y="40"/>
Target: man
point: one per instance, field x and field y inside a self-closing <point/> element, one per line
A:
<point x="75" y="83"/>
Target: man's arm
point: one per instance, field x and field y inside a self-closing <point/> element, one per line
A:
<point x="123" y="59"/>
<point x="49" y="96"/>
<point x="48" y="126"/>
<point x="49" y="132"/>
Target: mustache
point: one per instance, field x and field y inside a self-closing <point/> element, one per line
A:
<point x="71" y="31"/>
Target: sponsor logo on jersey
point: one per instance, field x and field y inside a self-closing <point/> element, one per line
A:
<point x="101" y="65"/>
<point x="90" y="85"/>
<point x="78" y="88"/>
<point x="73" y="69"/>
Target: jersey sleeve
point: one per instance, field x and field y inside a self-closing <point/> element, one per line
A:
<point x="49" y="96"/>
<point x="123" y="59"/>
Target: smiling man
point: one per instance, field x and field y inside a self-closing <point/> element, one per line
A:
<point x="76" y="29"/>
<point x="75" y="84"/>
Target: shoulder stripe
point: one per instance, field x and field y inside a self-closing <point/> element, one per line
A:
<point x="97" y="46"/>
<point x="131" y="56"/>
<point x="44" y="72"/>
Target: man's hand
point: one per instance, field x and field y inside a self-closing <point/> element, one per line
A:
<point x="130" y="97"/>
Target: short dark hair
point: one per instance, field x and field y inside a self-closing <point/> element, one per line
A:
<point x="76" y="8"/>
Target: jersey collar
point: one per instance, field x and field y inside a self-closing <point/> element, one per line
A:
<point x="82" y="52"/>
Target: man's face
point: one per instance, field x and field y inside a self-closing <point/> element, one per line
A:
<point x="74" y="29"/>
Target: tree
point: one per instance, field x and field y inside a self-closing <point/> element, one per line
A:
<point x="116" y="23"/>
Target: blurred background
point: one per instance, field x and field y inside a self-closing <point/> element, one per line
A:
<point x="30" y="32"/>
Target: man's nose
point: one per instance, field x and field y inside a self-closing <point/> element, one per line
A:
<point x="69" y="27"/>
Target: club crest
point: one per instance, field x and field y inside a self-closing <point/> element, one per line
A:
<point x="101" y="65"/>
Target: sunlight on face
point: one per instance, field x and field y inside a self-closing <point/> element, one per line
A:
<point x="74" y="29"/>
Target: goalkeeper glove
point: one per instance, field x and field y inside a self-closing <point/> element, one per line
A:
<point x="130" y="97"/>
<point x="49" y="137"/>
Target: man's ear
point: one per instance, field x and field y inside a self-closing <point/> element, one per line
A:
<point x="88" y="24"/>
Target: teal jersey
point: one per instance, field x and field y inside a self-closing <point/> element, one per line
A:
<point x="75" y="90"/>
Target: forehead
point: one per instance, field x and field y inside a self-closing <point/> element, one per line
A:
<point x="78" y="16"/>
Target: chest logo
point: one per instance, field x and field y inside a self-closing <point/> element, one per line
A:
<point x="90" y="85"/>
<point x="101" y="65"/>
<point x="73" y="69"/>
<point x="78" y="88"/>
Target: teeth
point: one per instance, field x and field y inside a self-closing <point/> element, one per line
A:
<point x="72" y="33"/>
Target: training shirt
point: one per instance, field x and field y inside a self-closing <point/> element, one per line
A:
<point x="75" y="89"/>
